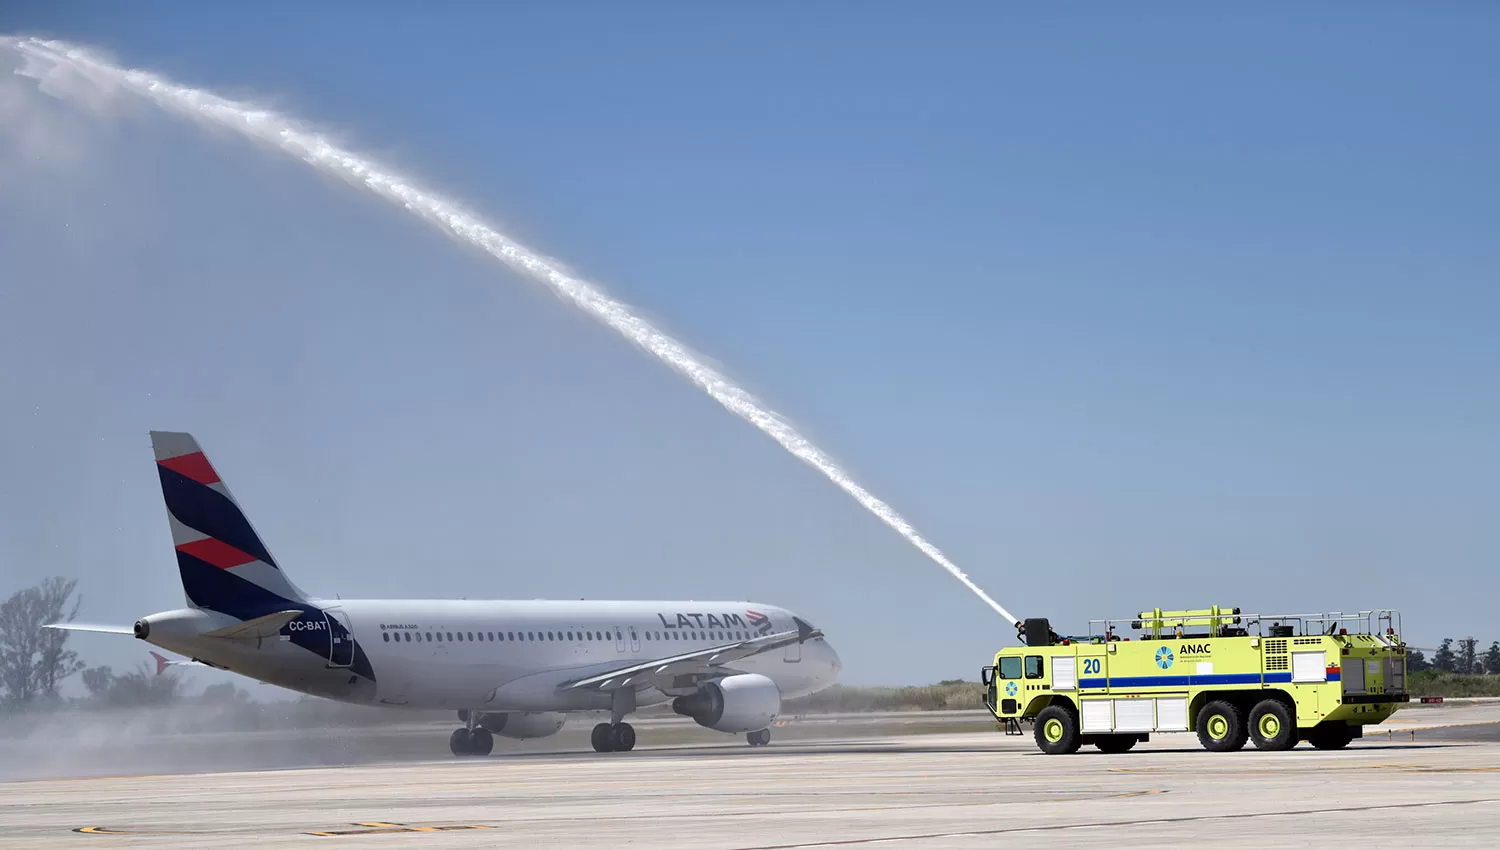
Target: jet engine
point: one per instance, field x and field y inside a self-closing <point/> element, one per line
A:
<point x="747" y="702"/>
<point x="523" y="724"/>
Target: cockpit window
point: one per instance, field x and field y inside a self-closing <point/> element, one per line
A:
<point x="1010" y="667"/>
<point x="1034" y="667"/>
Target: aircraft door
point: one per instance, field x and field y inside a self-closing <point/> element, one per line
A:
<point x="619" y="639"/>
<point x="793" y="652"/>
<point x="635" y="640"/>
<point x="340" y="638"/>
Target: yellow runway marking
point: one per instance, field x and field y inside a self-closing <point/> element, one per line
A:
<point x="384" y="828"/>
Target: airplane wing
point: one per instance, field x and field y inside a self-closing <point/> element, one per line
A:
<point x="703" y="662"/>
<point x="260" y="627"/>
<point x="86" y="627"/>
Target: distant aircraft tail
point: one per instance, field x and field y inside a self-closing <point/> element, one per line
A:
<point x="224" y="565"/>
<point x="161" y="663"/>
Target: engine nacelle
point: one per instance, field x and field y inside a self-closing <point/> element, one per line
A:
<point x="523" y="724"/>
<point x="744" y="703"/>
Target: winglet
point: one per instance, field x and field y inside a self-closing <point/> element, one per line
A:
<point x="161" y="663"/>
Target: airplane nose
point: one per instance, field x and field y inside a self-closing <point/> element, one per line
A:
<point x="834" y="664"/>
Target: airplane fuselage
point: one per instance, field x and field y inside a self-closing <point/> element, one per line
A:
<point x="490" y="655"/>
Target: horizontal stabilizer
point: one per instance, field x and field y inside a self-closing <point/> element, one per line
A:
<point x="87" y="627"/>
<point x="260" y="627"/>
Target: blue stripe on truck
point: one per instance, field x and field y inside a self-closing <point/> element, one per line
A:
<point x="1192" y="679"/>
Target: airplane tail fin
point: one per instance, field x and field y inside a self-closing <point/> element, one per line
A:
<point x="224" y="565"/>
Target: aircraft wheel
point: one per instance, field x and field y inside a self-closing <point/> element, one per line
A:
<point x="623" y="738"/>
<point x="603" y="738"/>
<point x="481" y="742"/>
<point x="461" y="742"/>
<point x="759" y="739"/>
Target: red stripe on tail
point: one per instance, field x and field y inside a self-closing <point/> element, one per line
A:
<point x="194" y="466"/>
<point x="217" y="553"/>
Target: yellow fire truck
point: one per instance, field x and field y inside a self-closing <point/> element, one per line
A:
<point x="1231" y="677"/>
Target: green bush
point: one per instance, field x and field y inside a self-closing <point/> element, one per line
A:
<point x="1437" y="683"/>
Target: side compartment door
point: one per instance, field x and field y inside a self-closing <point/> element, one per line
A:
<point x="1065" y="673"/>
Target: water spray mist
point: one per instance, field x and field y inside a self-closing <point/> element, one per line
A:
<point x="293" y="137"/>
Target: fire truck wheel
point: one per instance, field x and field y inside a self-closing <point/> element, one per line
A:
<point x="1272" y="726"/>
<point x="1330" y="736"/>
<point x="1057" y="731"/>
<point x="1114" y="743"/>
<point x="1221" y="727"/>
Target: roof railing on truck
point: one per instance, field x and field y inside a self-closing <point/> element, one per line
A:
<point x="1384" y="624"/>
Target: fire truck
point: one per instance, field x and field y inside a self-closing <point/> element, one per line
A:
<point x="1233" y="678"/>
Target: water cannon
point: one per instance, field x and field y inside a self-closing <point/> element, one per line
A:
<point x="1036" y="631"/>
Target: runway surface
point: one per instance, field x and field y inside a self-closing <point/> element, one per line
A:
<point x="922" y="791"/>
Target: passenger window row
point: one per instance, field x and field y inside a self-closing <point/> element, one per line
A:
<point x="587" y="635"/>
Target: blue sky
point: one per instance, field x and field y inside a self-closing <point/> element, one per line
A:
<point x="1121" y="308"/>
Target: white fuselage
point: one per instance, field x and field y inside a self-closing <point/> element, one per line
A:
<point x="495" y="655"/>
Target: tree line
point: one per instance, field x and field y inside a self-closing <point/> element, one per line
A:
<point x="1466" y="660"/>
<point x="34" y="660"/>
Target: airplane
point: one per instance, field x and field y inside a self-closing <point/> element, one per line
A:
<point x="509" y="668"/>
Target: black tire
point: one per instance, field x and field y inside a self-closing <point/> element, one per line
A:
<point x="1272" y="725"/>
<point x="1331" y="736"/>
<point x="759" y="739"/>
<point x="459" y="742"/>
<point x="481" y="742"/>
<point x="1221" y="727"/>
<point x="623" y="738"/>
<point x="603" y="738"/>
<point x="1114" y="743"/>
<point x="1057" y="731"/>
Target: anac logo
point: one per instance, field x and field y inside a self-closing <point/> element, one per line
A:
<point x="1195" y="649"/>
<point x="759" y="622"/>
<point x="1164" y="657"/>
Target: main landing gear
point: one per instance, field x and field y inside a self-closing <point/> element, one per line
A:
<point x="473" y="739"/>
<point x="616" y="736"/>
<point x="613" y="738"/>
<point x="759" y="739"/>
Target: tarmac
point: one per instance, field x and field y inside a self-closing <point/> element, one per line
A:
<point x="1434" y="779"/>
